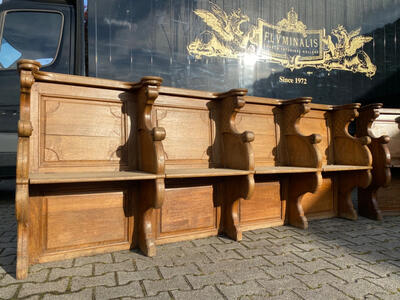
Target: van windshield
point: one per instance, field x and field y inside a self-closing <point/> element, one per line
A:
<point x="30" y="35"/>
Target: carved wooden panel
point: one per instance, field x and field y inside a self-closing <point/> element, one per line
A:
<point x="322" y="201"/>
<point x="96" y="134"/>
<point x="188" y="209"/>
<point x="265" y="203"/>
<point x="315" y="122"/>
<point x="78" y="220"/>
<point x="189" y="135"/>
<point x="265" y="142"/>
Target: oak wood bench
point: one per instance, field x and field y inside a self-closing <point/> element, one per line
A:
<point x="106" y="165"/>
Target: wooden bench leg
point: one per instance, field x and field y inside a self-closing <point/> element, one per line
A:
<point x="367" y="203"/>
<point x="22" y="213"/>
<point x="346" y="183"/>
<point x="151" y="197"/>
<point x="298" y="185"/>
<point x="230" y="218"/>
<point x="234" y="189"/>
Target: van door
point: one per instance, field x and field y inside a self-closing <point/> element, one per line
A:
<point x="29" y="30"/>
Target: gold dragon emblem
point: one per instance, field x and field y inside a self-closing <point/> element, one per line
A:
<point x="226" y="37"/>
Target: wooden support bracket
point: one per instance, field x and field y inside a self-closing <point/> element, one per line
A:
<point x="237" y="153"/>
<point x="381" y="176"/>
<point x="150" y="159"/>
<point x="300" y="151"/>
<point x="26" y="69"/>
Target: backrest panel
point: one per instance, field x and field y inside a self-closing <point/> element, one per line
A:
<point x="315" y="121"/>
<point x="76" y="129"/>
<point x="259" y="118"/>
<point x="190" y="131"/>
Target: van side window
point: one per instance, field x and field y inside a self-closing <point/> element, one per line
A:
<point x="30" y="35"/>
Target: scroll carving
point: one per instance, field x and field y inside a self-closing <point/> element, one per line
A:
<point x="300" y="151"/>
<point x="349" y="150"/>
<point x="237" y="153"/>
<point x="26" y="69"/>
<point x="381" y="176"/>
<point x="151" y="159"/>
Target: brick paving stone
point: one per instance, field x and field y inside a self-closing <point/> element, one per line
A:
<point x="37" y="277"/>
<point x="233" y="264"/>
<point x="345" y="261"/>
<point x="309" y="246"/>
<point x="390" y="283"/>
<point x="358" y="289"/>
<point x="240" y="290"/>
<point x="209" y="292"/>
<point x="256" y="244"/>
<point x="387" y="296"/>
<point x="282" y="232"/>
<point x="8" y="251"/>
<point x="84" y="282"/>
<point x="382" y="269"/>
<point x="281" y="259"/>
<point x="28" y="289"/>
<point x="7" y="260"/>
<point x="256" y="235"/>
<point x="281" y="271"/>
<point x="207" y="241"/>
<point x="160" y="296"/>
<point x="153" y="287"/>
<point x="82" y="295"/>
<point x="102" y="258"/>
<point x="225" y="247"/>
<point x="353" y="273"/>
<point x="313" y="255"/>
<point x="56" y="273"/>
<point x="286" y="295"/>
<point x="249" y="253"/>
<point x="101" y="268"/>
<point x="394" y="253"/>
<point x="55" y="264"/>
<point x="215" y="256"/>
<point x="8" y="292"/>
<point x="144" y="262"/>
<point x="240" y="276"/>
<point x="284" y="241"/>
<point x="198" y="282"/>
<point x="132" y="289"/>
<point x="323" y="293"/>
<point x="316" y="265"/>
<point x="169" y="272"/>
<point x="125" y="277"/>
<point x="279" y="250"/>
<point x="125" y="255"/>
<point x="359" y="249"/>
<point x="278" y="286"/>
<point x="318" y="279"/>
<point x="373" y="257"/>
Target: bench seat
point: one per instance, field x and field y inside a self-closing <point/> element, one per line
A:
<point x="49" y="178"/>
<point x="204" y="172"/>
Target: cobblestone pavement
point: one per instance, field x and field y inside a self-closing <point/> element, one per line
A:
<point x="334" y="259"/>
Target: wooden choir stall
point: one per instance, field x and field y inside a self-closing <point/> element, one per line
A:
<point x="106" y="165"/>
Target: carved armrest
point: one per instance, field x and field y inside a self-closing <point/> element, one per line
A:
<point x="237" y="151"/>
<point x="349" y="150"/>
<point x="151" y="153"/>
<point x="378" y="146"/>
<point x="301" y="150"/>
